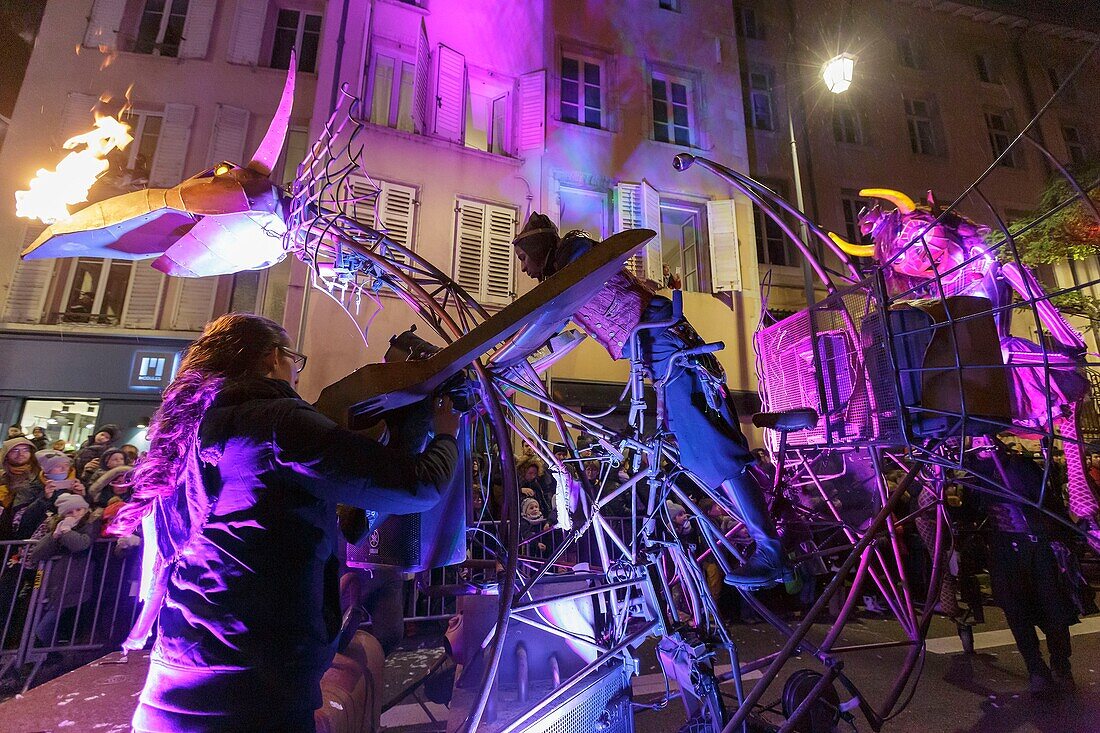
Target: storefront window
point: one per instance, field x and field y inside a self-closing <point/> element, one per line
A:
<point x="70" y="420"/>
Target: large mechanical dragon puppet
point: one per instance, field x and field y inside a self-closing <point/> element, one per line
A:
<point x="930" y="253"/>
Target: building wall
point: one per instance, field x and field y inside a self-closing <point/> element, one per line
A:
<point x="629" y="41"/>
<point x="85" y="360"/>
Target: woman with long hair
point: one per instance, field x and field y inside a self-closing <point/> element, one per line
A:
<point x="237" y="499"/>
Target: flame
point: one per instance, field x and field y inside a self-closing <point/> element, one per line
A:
<point x="52" y="192"/>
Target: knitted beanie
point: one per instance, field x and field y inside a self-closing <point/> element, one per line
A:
<point x="69" y="502"/>
<point x="54" y="462"/>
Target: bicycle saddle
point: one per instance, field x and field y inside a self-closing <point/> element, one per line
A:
<point x="787" y="421"/>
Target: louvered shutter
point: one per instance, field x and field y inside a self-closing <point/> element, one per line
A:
<point x="450" y="94"/>
<point x="103" y="24"/>
<point x="248" y="32"/>
<point x="628" y="215"/>
<point x="195" y="303"/>
<point x="171" y="155"/>
<point x="77" y="116"/>
<point x="196" y="28"/>
<point x="651" y="219"/>
<point x="725" y="254"/>
<point x="469" y="247"/>
<point x="362" y="200"/>
<point x="396" y="213"/>
<point x="499" y="232"/>
<point x="230" y="132"/>
<point x="531" y="135"/>
<point x="143" y="296"/>
<point x="29" y="283"/>
<point x="420" y="83"/>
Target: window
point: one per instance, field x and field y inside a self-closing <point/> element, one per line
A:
<point x="297" y="147"/>
<point x="160" y="28"/>
<point x="582" y="208"/>
<point x="761" y="111"/>
<point x="299" y="31"/>
<point x="852" y="204"/>
<point x="70" y="420"/>
<point x="483" y="250"/>
<point x="846" y="124"/>
<point x="1057" y="76"/>
<point x="96" y="292"/>
<point x="581" y="91"/>
<point x="1075" y="144"/>
<point x="747" y="24"/>
<point x="391" y="95"/>
<point x="985" y="68"/>
<point x="907" y="53"/>
<point x="772" y="245"/>
<point x="681" y="234"/>
<point x="386" y="206"/>
<point x="669" y="5"/>
<point x="672" y="109"/>
<point x="922" y="128"/>
<point x="1001" y="132"/>
<point x="146" y="129"/>
<point x="487" y="113"/>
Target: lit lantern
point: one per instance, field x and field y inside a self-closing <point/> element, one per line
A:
<point x="838" y="72"/>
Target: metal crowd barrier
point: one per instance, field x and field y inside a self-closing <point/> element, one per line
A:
<point x="428" y="596"/>
<point x="66" y="607"/>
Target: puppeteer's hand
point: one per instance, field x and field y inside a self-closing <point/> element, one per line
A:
<point x="445" y="419"/>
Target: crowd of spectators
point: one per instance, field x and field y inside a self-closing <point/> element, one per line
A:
<point x="55" y="503"/>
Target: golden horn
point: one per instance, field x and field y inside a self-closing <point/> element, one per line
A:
<point x="905" y="204"/>
<point x="856" y="250"/>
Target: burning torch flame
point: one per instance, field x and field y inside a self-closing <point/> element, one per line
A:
<point x="52" y="192"/>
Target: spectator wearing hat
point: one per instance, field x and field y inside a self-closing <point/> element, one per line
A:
<point x="38" y="437"/>
<point x="19" y="482"/>
<point x="104" y="437"/>
<point x="111" y="487"/>
<point x="57" y="477"/>
<point x="71" y="534"/>
<point x="111" y="458"/>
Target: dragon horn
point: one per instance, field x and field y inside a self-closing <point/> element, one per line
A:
<point x="267" y="154"/>
<point x="856" y="250"/>
<point x="897" y="198"/>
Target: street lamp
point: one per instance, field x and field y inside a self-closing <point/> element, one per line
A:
<point x="838" y="71"/>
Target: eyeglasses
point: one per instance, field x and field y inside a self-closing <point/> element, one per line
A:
<point x="298" y="359"/>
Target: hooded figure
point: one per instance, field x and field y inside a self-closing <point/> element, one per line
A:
<point x="103" y="489"/>
<point x="702" y="417"/>
<point x="104" y="437"/>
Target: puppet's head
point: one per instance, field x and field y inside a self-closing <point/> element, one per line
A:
<point x="910" y="240"/>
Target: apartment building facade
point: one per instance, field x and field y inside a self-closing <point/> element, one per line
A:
<point x="575" y="110"/>
<point x="86" y="340"/>
<point x="940" y="89"/>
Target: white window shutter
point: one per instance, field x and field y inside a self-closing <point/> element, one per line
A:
<point x="143" y="296"/>
<point x="420" y="83"/>
<point x="195" y="303"/>
<point x="171" y="155"/>
<point x="651" y="219"/>
<point x="469" y="247"/>
<point x="230" y="133"/>
<point x="248" y="32"/>
<point x="196" y="28"/>
<point x="362" y="200"/>
<point x="29" y="283"/>
<point x="531" y="135"/>
<point x="500" y="230"/>
<point x="450" y="94"/>
<point x="628" y="215"/>
<point x="725" y="252"/>
<point x="396" y="212"/>
<point x="103" y="23"/>
<point x="77" y="116"/>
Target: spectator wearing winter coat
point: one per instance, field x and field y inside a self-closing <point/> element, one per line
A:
<point x="19" y="483"/>
<point x="38" y="437"/>
<point x="57" y="477"/>
<point x="111" y="458"/>
<point x="110" y="485"/>
<point x="241" y="485"/>
<point x="71" y="580"/>
<point x="104" y="437"/>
